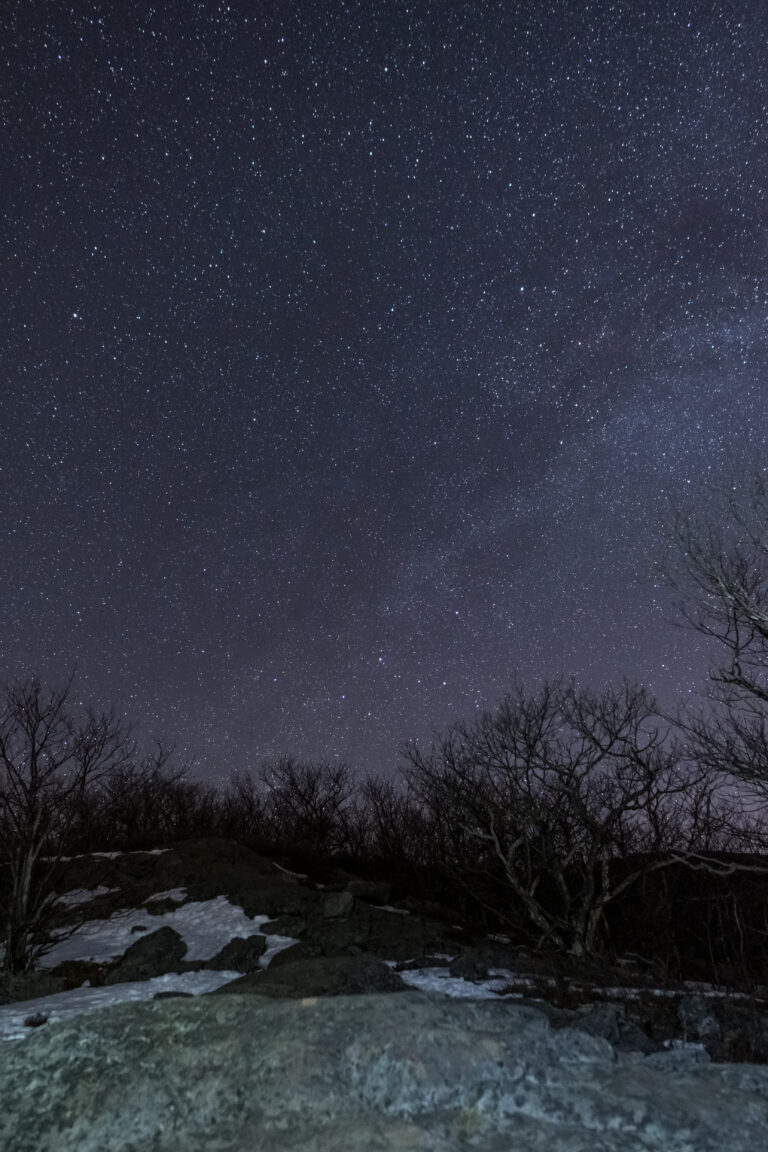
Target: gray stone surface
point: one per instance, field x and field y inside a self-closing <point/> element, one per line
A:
<point x="407" y="1072"/>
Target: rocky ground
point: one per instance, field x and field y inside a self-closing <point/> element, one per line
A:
<point x="599" y="1044"/>
<point x="403" y="1071"/>
<point x="344" y="918"/>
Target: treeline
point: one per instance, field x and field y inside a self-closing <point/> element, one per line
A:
<point x="581" y="823"/>
<point x="576" y="823"/>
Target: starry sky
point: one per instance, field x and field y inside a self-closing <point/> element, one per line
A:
<point x="353" y="352"/>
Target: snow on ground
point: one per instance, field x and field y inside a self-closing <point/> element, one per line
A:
<point x="107" y="855"/>
<point x="83" y="895"/>
<point x="440" y="980"/>
<point x="61" y="1005"/>
<point x="177" y="894"/>
<point x="288" y="872"/>
<point x="205" y="926"/>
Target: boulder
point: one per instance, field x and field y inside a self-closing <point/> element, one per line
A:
<point x="152" y="955"/>
<point x="324" y="976"/>
<point x="698" y="1020"/>
<point x="727" y="1027"/>
<point x="371" y="891"/>
<point x="385" y="934"/>
<point x="340" y="1074"/>
<point x="241" y="954"/>
<point x="614" y="1024"/>
<point x="338" y="905"/>
<point x="298" y="951"/>
<point x="272" y="898"/>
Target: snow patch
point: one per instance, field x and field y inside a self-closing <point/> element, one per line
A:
<point x="177" y="894"/>
<point x="83" y="895"/>
<point x="62" y="1005"/>
<point x="205" y="926"/>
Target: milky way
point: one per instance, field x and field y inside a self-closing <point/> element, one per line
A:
<point x="353" y="353"/>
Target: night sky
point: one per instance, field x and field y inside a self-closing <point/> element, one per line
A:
<point x="353" y="353"/>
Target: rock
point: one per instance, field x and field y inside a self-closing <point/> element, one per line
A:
<point x="153" y="955"/>
<point x="272" y="898"/>
<point x="728" y="1029"/>
<point x="337" y="905"/>
<point x="376" y="1072"/>
<point x="160" y="907"/>
<point x="599" y="1020"/>
<point x="298" y="951"/>
<point x="171" y="994"/>
<point x="324" y="976"/>
<point x="430" y="909"/>
<point x="698" y="1020"/>
<point x="75" y="973"/>
<point x="286" y="926"/>
<point x="288" y="876"/>
<point x="371" y="891"/>
<point x="674" y="1058"/>
<point x="241" y="954"/>
<point x="385" y="934"/>
<point x="612" y="1022"/>
<point x="476" y="963"/>
<point x="36" y="1020"/>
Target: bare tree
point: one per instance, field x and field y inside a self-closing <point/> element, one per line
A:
<point x="306" y="801"/>
<point x="49" y="757"/>
<point x="127" y="807"/>
<point x="565" y="797"/>
<point x="720" y="569"/>
<point x="243" y="809"/>
<point x="398" y="827"/>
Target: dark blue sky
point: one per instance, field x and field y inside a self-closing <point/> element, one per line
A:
<point x="352" y="352"/>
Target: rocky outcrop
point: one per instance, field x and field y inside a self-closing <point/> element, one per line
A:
<point x="728" y="1028"/>
<point x="338" y="905"/>
<point x="241" y="954"/>
<point x="152" y="955"/>
<point x="343" y="920"/>
<point x="478" y="962"/>
<point x="341" y="1074"/>
<point x="371" y="891"/>
<point x="375" y="930"/>
<point x="616" y="1025"/>
<point x="323" y="976"/>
